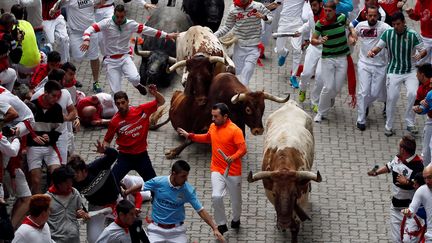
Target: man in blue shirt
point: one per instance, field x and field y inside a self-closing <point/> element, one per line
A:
<point x="168" y="212"/>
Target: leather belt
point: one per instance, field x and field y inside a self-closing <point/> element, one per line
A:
<point x="168" y="226"/>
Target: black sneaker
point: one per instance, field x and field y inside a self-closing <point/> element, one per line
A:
<point x="142" y="89"/>
<point x="235" y="224"/>
<point x="361" y="127"/>
<point x="222" y="228"/>
<point x="78" y="84"/>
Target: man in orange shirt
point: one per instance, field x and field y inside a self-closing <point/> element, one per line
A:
<point x="227" y="137"/>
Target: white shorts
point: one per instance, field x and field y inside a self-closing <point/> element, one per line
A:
<point x="35" y="155"/>
<point x="22" y="187"/>
<point x="75" y="38"/>
<point x="174" y="235"/>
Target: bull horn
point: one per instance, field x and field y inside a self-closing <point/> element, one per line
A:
<point x="307" y="175"/>
<point x="275" y="98"/>
<point x="259" y="175"/>
<point x="172" y="60"/>
<point x="141" y="53"/>
<point x="214" y="59"/>
<point x="176" y="65"/>
<point x="238" y="97"/>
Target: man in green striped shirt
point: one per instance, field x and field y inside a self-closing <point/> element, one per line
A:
<point x="402" y="44"/>
<point x="334" y="64"/>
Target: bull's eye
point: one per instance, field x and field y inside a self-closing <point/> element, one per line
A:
<point x="248" y="110"/>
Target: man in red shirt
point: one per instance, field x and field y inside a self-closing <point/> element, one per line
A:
<point x="131" y="124"/>
<point x="42" y="70"/>
<point x="423" y="12"/>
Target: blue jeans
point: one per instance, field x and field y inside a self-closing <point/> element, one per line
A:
<point x="139" y="162"/>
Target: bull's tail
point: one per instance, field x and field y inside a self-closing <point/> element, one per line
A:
<point x="154" y="118"/>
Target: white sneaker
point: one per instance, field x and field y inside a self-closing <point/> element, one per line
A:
<point x="318" y="117"/>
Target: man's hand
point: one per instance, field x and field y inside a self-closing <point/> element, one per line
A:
<point x="420" y="55"/>
<point x="406" y="212"/>
<point x="229" y="159"/>
<point x="371" y="54"/>
<point x="52" y="12"/>
<point x="149" y="6"/>
<point x="152" y="89"/>
<point x="100" y="148"/>
<point x="409" y="11"/>
<point x="76" y="123"/>
<point x="85" y="45"/>
<point x="402" y="180"/>
<point x="172" y="36"/>
<point x="182" y="132"/>
<point x="272" y="6"/>
<point x="324" y="39"/>
<point x="81" y="214"/>
<point x="424" y="103"/>
<point x="260" y="16"/>
<point x="417" y="109"/>
<point x="352" y="40"/>
<point x="218" y="235"/>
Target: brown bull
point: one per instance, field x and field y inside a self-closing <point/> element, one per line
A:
<point x="287" y="161"/>
<point x="246" y="108"/>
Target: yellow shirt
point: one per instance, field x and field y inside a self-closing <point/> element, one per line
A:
<point x="31" y="55"/>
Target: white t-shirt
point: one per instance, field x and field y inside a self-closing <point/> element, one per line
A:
<point x="26" y="233"/>
<point x="24" y="112"/>
<point x="423" y="195"/>
<point x="80" y="14"/>
<point x="131" y="180"/>
<point x="64" y="101"/>
<point x="114" y="234"/>
<point x="369" y="37"/>
<point x="292" y="8"/>
<point x="108" y="105"/>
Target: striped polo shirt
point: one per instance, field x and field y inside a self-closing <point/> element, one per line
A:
<point x="401" y="49"/>
<point x="337" y="43"/>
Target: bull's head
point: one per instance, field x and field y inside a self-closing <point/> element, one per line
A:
<point x="283" y="188"/>
<point x="200" y="70"/>
<point x="253" y="104"/>
<point x="153" y="65"/>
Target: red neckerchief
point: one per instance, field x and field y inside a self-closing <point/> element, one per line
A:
<point x="324" y="21"/>
<point x="55" y="191"/>
<point x="320" y="15"/>
<point x="121" y="224"/>
<point x="30" y="222"/>
<point x="2" y="90"/>
<point x="240" y="5"/>
<point x="41" y="102"/>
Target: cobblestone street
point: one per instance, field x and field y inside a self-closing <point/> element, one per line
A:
<point x="347" y="206"/>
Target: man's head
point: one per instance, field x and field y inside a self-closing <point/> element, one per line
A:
<point x="424" y="72"/>
<point x="70" y="70"/>
<point x="52" y="92"/>
<point x="372" y="15"/>
<point x="121" y="100"/>
<point x="79" y="166"/>
<point x="371" y="3"/>
<point x="427" y="175"/>
<point x="62" y="178"/>
<point x="53" y="59"/>
<point x="8" y="20"/>
<point x="126" y="212"/>
<point x="179" y="172"/>
<point x="330" y="10"/>
<point x="119" y="14"/>
<point x="407" y="147"/>
<point x="57" y="74"/>
<point x="39" y="207"/>
<point x="398" y="22"/>
<point x="18" y="10"/>
<point x="220" y="113"/>
<point x="316" y="6"/>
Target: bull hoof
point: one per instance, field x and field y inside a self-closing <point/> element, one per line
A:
<point x="171" y="154"/>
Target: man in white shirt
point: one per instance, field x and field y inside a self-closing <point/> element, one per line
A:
<point x="371" y="72"/>
<point x="423" y="196"/>
<point x="117" y="32"/>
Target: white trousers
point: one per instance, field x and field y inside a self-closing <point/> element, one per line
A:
<point x="371" y="83"/>
<point x="157" y="234"/>
<point x="290" y="24"/>
<point x="95" y="225"/>
<point x="393" y="84"/>
<point x="335" y="72"/>
<point x="116" y="68"/>
<point x="75" y="44"/>
<point x="427" y="142"/>
<point x="427" y="44"/>
<point x="22" y="187"/>
<point x="311" y="67"/>
<point x="101" y="14"/>
<point x="220" y="184"/>
<point x="245" y="59"/>
<point x="62" y="145"/>
<point x="395" y="227"/>
<point x="7" y="78"/>
<point x="57" y="34"/>
<point x="268" y="28"/>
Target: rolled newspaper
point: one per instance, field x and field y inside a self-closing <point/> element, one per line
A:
<point x="283" y="34"/>
<point x="229" y="163"/>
